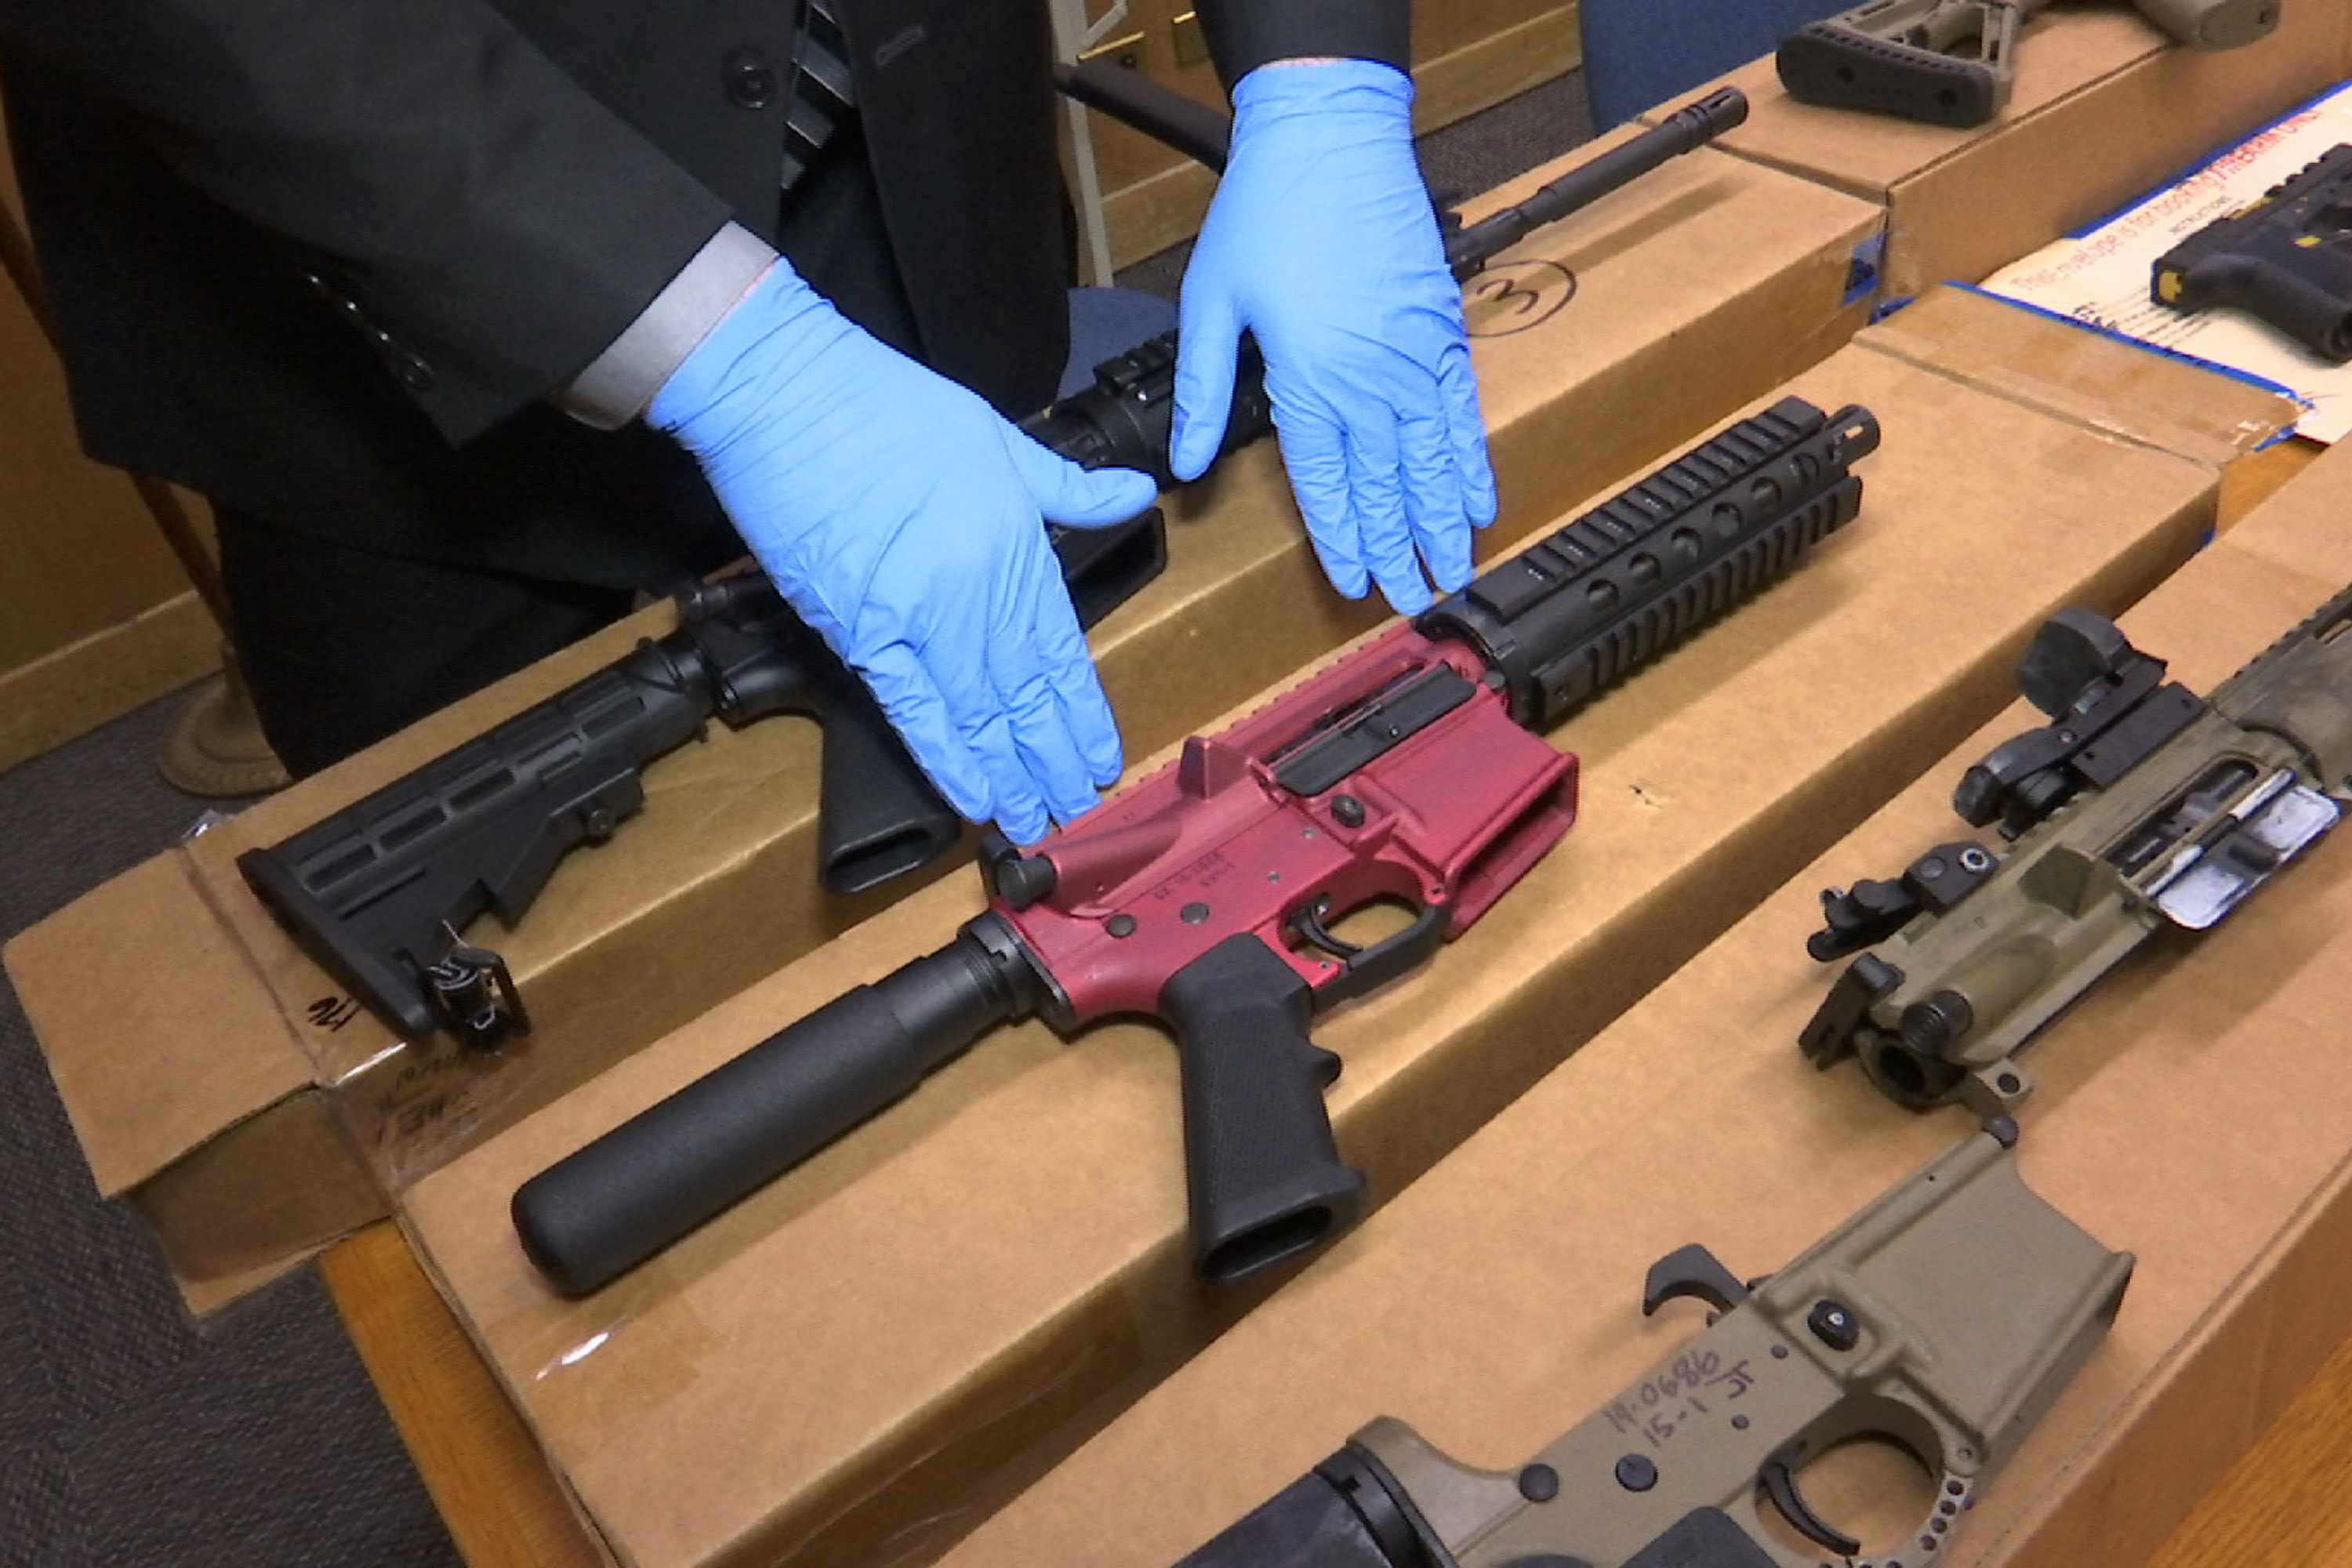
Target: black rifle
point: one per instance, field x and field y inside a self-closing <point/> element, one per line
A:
<point x="378" y="893"/>
<point x="1123" y="419"/>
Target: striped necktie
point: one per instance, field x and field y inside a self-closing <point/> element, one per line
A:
<point x="821" y="98"/>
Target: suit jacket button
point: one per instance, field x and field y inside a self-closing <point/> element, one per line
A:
<point x="412" y="373"/>
<point x="751" y="80"/>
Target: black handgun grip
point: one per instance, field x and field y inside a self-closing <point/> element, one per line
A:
<point x="877" y="814"/>
<point x="1262" y="1174"/>
<point x="2282" y="259"/>
<point x="596" y="1214"/>
<point x="2269" y="288"/>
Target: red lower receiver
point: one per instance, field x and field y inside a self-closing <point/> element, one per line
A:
<point x="1396" y="776"/>
<point x="1209" y="897"/>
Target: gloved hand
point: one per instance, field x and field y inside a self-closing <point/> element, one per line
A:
<point x="900" y="516"/>
<point x="1322" y="244"/>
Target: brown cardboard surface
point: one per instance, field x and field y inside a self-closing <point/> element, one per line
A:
<point x="1708" y="283"/>
<point x="2196" y="1109"/>
<point x="2302" y="521"/>
<point x="1578" y="298"/>
<point x="2105" y="107"/>
<point x="237" y="1053"/>
<point x="861" y="1360"/>
<point x="2099" y="382"/>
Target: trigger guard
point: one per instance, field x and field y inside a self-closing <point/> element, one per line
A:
<point x="1955" y="1495"/>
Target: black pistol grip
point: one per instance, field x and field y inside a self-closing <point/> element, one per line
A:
<point x="599" y="1212"/>
<point x="1105" y="567"/>
<point x="2271" y="290"/>
<point x="1264" y="1174"/>
<point x="878" y="815"/>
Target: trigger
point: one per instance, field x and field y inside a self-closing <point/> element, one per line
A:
<point x="1781" y="1487"/>
<point x="1324" y="1065"/>
<point x="1308" y="923"/>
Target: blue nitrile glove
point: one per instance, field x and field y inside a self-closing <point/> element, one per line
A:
<point x="1322" y="244"/>
<point x="900" y="515"/>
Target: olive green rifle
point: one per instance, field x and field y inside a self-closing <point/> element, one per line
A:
<point x="1945" y="1318"/>
<point x="1950" y="62"/>
<point x="2140" y="808"/>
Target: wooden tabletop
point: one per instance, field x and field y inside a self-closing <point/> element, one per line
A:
<point x="502" y="1503"/>
<point x="2287" y="1501"/>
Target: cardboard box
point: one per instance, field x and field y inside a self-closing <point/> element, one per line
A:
<point x="2105" y="107"/>
<point x="861" y="1360"/>
<point x="1695" y="289"/>
<point x="2195" y="1109"/>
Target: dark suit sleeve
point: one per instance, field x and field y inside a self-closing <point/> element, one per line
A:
<point x="487" y="221"/>
<point x="1246" y="33"/>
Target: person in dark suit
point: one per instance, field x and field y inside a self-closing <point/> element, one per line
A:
<point x="473" y="318"/>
